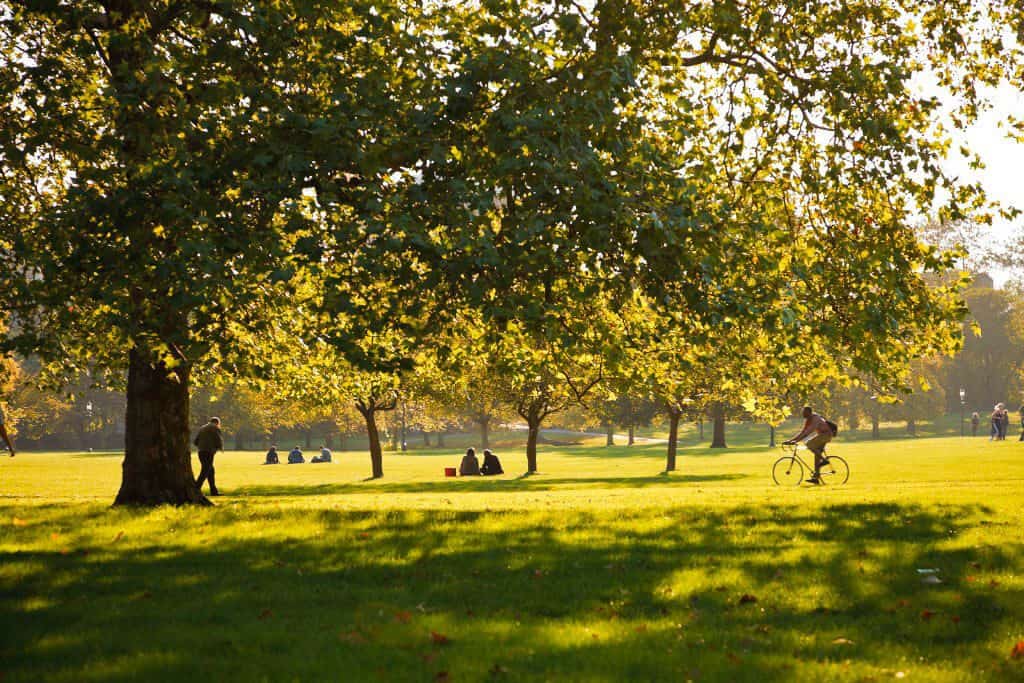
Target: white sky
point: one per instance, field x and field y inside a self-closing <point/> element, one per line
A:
<point x="1003" y="175"/>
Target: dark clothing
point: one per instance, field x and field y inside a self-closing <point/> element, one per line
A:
<point x="295" y="457"/>
<point x="470" y="466"/>
<point x="206" y="471"/>
<point x="272" y="458"/>
<point x="491" y="465"/>
<point x="209" y="438"/>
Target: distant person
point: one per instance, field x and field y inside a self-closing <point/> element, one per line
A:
<point x="491" y="464"/>
<point x="325" y="455"/>
<point x="994" y="419"/>
<point x="272" y="458"/>
<point x="3" y="432"/>
<point x="208" y="441"/>
<point x="1004" y="420"/>
<point x="816" y="433"/>
<point x="976" y="420"/>
<point x="470" y="465"/>
<point x="295" y="457"/>
<point x="1021" y="411"/>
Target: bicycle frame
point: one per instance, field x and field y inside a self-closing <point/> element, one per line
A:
<point x="796" y="448"/>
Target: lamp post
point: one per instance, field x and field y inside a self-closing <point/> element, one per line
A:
<point x="963" y="396"/>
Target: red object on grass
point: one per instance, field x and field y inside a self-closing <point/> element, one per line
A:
<point x="449" y="471"/>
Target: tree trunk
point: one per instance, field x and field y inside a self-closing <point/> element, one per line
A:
<point x="240" y="440"/>
<point x="632" y="438"/>
<point x="531" y="444"/>
<point x="700" y="430"/>
<point x="376" y="456"/>
<point x="426" y="438"/>
<point x="609" y="432"/>
<point x="440" y="439"/>
<point x="771" y="436"/>
<point x="673" y="438"/>
<point x="485" y="430"/>
<point x="157" y="466"/>
<point x="912" y="427"/>
<point x="875" y="434"/>
<point x="718" y="435"/>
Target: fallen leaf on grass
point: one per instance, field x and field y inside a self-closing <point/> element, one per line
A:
<point x="993" y="584"/>
<point x="970" y="579"/>
<point x="265" y="614"/>
<point x="441" y="676"/>
<point x="497" y="669"/>
<point x="642" y="628"/>
<point x="54" y="536"/>
<point x="746" y="598"/>
<point x="733" y="658"/>
<point x="842" y="641"/>
<point x="927" y="614"/>
<point x="439" y="638"/>
<point x="403" y="616"/>
<point x="1018" y="650"/>
<point x="955" y="619"/>
<point x="120" y="535"/>
<point x="18" y="521"/>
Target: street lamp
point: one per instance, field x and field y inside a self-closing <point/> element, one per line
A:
<point x="963" y="395"/>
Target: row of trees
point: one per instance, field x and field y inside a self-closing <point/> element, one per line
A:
<point x="714" y="200"/>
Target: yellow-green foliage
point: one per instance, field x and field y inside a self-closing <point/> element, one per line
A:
<point x="596" y="569"/>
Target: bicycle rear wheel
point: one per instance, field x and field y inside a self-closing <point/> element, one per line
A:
<point x="834" y="471"/>
<point x="787" y="471"/>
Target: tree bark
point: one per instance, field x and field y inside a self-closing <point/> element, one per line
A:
<point x="440" y="439"/>
<point x="912" y="427"/>
<point x="875" y="433"/>
<point x="426" y="438"/>
<point x="700" y="430"/>
<point x="157" y="466"/>
<point x="531" y="444"/>
<point x="609" y="432"/>
<point x="718" y="434"/>
<point x="373" y="436"/>
<point x="771" y="436"/>
<point x="674" y="416"/>
<point x="309" y="438"/>
<point x="485" y="432"/>
<point x="632" y="437"/>
<point x="240" y="440"/>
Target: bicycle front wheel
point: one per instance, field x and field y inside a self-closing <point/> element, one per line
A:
<point x="834" y="471"/>
<point x="787" y="470"/>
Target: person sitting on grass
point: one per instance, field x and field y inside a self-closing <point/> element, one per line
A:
<point x="3" y="432"/>
<point x="325" y="455"/>
<point x="491" y="464"/>
<point x="816" y="433"/>
<point x="272" y="458"/>
<point x="295" y="457"/>
<point x="470" y="465"/>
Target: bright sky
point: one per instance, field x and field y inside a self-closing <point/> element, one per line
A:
<point x="1003" y="175"/>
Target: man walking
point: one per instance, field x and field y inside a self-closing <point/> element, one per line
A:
<point x="3" y="432"/>
<point x="208" y="441"/>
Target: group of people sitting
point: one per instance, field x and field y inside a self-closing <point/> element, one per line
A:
<point x="295" y="457"/>
<point x="470" y="466"/>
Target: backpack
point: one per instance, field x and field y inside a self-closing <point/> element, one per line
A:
<point x="833" y="426"/>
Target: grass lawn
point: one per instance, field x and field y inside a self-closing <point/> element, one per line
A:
<point x="597" y="569"/>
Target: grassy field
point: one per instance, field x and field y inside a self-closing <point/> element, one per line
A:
<point x="598" y="569"/>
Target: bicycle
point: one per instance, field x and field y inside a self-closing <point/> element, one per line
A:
<point x="789" y="469"/>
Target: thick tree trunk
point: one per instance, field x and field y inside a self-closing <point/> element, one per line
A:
<point x="373" y="436"/>
<point x="531" y="444"/>
<point x="673" y="438"/>
<point x="609" y="432"/>
<point x="157" y="466"/>
<point x="632" y="437"/>
<point x="718" y="434"/>
<point x="485" y="432"/>
<point x="875" y="433"/>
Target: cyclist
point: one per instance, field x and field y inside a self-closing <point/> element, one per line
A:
<point x="816" y="433"/>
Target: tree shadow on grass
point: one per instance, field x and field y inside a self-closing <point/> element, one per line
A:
<point x="533" y="482"/>
<point x="553" y="596"/>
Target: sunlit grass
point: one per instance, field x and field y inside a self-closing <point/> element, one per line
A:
<point x="598" y="568"/>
